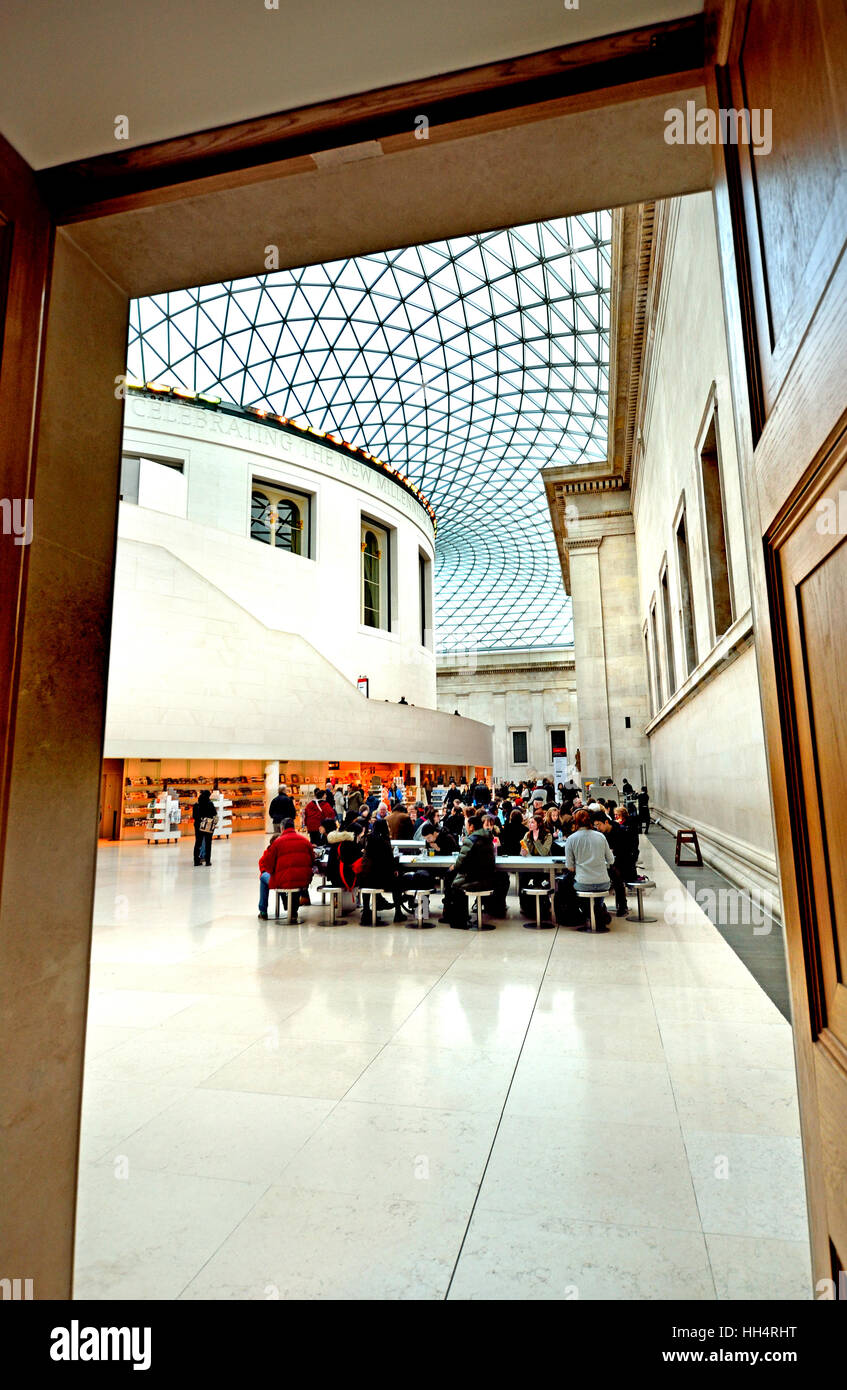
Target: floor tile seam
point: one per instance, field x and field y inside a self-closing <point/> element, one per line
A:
<point x="707" y="1232"/>
<point x="225" y="1238"/>
<point x="552" y="943"/>
<point x="692" y="1184"/>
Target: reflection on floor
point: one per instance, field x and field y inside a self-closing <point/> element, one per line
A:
<point x="315" y="1112"/>
<point x="754" y="935"/>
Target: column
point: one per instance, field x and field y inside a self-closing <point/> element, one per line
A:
<point x="271" y="789"/>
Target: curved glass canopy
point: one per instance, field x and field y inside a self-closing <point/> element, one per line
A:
<point x="468" y="364"/>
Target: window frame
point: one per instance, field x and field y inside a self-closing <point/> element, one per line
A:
<point x="687" y="625"/>
<point x="282" y="492"/>
<point x="664" y="592"/>
<point x="382" y="535"/>
<point x="524" y="734"/>
<point x="710" y="421"/>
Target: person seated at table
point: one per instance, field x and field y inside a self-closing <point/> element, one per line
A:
<point x="557" y="830"/>
<point x="620" y="871"/>
<point x="317" y="809"/>
<point x="431" y="817"/>
<point x="286" y="863"/>
<point x="492" y="824"/>
<point x="400" y="824"/>
<point x="475" y="871"/>
<point x="588" y="855"/>
<point x="536" y="843"/>
<point x="338" y="841"/>
<point x="454" y="821"/>
<point x="512" y="833"/>
<point x="380" y="870"/>
<point x="441" y="843"/>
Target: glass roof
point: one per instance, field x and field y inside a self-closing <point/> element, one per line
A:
<point x="468" y="364"/>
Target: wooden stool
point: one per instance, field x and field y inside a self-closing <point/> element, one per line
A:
<point x="421" y="918"/>
<point x="688" y="837"/>
<point x="580" y="893"/>
<point x="335" y="896"/>
<point x="638" y="890"/>
<point x="538" y="894"/>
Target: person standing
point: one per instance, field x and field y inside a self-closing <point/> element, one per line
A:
<point x="644" y="810"/>
<point x="281" y="808"/>
<point x="205" y="819"/>
<point x="339" y="800"/>
<point x="317" y="810"/>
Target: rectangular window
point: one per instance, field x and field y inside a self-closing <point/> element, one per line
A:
<point x="425" y="590"/>
<point x="519" y="747"/>
<point x="159" y="484"/>
<point x="376" y="576"/>
<point x="686" y="604"/>
<point x="720" y="588"/>
<point x="657" y="670"/>
<point x="668" y="625"/>
<point x="281" y="517"/>
<point x="650" y="694"/>
<point x="129" y="478"/>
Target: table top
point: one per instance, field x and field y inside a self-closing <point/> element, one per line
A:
<point x="504" y="861"/>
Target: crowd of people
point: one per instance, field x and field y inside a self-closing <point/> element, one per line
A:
<point x="347" y="835"/>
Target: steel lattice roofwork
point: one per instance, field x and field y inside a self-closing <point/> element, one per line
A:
<point x="468" y="364"/>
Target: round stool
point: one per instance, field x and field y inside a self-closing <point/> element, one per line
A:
<point x="538" y="894"/>
<point x="638" y="889"/>
<point x="594" y="894"/>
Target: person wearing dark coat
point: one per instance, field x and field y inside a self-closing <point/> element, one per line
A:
<point x="644" y="810"/>
<point x="204" y="809"/>
<point x="622" y="870"/>
<point x="379" y="870"/>
<point x="476" y="869"/>
<point x="286" y="863"/>
<point x="281" y="808"/>
<point x="442" y="843"/>
<point x="512" y="834"/>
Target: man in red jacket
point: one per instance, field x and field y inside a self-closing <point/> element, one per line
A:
<point x="286" y="863"/>
<point x="317" y="810"/>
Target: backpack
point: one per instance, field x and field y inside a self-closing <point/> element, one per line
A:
<point x="567" y="907"/>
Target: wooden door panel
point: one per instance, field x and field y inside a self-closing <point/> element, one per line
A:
<point x="790" y="63"/>
<point x="814" y="569"/>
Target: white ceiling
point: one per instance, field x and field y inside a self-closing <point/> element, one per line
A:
<point x="174" y="66"/>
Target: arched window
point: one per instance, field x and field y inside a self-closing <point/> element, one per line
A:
<point x="289" y="527"/>
<point x="280" y="519"/>
<point x="260" y="526"/>
<point x="371" y="580"/>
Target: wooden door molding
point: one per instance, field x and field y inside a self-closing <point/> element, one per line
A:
<point x="785" y="299"/>
<point x="26" y="242"/>
<point x="658" y="58"/>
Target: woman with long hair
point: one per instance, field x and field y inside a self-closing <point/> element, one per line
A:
<point x="380" y="870"/>
<point x="536" y="843"/>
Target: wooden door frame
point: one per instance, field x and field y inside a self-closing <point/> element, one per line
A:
<point x="799" y="429"/>
<point x="104" y="203"/>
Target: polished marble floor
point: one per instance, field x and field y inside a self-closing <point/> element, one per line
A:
<point x="324" y="1113"/>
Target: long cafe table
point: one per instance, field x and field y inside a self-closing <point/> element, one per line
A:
<point x="514" y="863"/>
